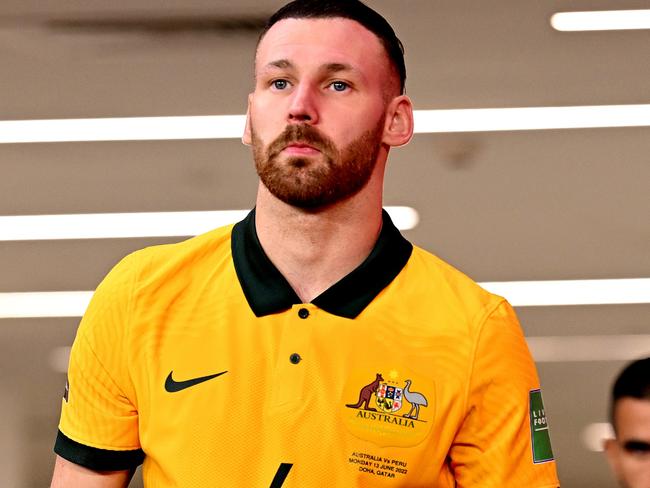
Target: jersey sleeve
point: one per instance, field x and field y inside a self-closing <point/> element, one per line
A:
<point x="99" y="417"/>
<point x="504" y="440"/>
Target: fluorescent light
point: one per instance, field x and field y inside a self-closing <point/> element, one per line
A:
<point x="145" y="224"/>
<point x="113" y="225"/>
<point x="601" y="20"/>
<point x="531" y="118"/>
<point x="560" y="349"/>
<point x="572" y="292"/>
<point x="232" y="126"/>
<point x="594" y="435"/>
<point x="73" y="304"/>
<point x="123" y="129"/>
<point x="404" y="218"/>
<point x="44" y="304"/>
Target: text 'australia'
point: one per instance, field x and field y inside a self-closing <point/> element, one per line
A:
<point x="381" y="417"/>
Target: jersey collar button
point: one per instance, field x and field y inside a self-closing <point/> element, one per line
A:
<point x="303" y="313"/>
<point x="295" y="358"/>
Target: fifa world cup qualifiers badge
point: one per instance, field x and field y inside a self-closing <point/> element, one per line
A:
<point x="541" y="440"/>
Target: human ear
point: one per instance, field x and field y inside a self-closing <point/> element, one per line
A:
<point x="247" y="137"/>
<point x="398" y="128"/>
<point x="612" y="453"/>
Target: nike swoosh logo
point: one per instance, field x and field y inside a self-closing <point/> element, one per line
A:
<point x="173" y="386"/>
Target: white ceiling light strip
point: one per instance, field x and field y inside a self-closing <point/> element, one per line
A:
<point x="113" y="225"/>
<point x="624" y="291"/>
<point x="144" y="224"/>
<point x="232" y="126"/>
<point x="572" y="292"/>
<point x="561" y="349"/>
<point x="601" y="20"/>
<point x="44" y="304"/>
<point x="594" y="435"/>
<point x="123" y="129"/>
<point x="531" y="118"/>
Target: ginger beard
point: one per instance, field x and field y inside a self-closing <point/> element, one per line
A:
<point x="320" y="180"/>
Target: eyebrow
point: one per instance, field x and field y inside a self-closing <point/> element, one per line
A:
<point x="336" y="67"/>
<point x="328" y="67"/>
<point x="280" y="63"/>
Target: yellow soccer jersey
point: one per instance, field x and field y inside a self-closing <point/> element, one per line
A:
<point x="199" y="359"/>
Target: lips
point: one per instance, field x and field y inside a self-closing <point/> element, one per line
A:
<point x="300" y="148"/>
<point x="300" y="141"/>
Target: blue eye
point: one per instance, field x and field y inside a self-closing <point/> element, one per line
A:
<point x="280" y="84"/>
<point x="339" y="86"/>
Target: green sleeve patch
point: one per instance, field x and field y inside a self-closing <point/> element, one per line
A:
<point x="540" y="438"/>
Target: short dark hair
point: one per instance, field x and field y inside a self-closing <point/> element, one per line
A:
<point x="347" y="9"/>
<point x="632" y="382"/>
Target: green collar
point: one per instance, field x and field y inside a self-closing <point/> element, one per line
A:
<point x="268" y="292"/>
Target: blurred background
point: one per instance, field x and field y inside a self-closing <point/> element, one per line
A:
<point x="501" y="205"/>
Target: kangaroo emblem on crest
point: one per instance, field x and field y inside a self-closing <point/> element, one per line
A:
<point x="365" y="394"/>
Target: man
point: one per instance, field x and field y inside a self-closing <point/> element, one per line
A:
<point x="629" y="453"/>
<point x="310" y="344"/>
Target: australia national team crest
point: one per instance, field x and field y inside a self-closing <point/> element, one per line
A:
<point x="395" y="408"/>
<point x="389" y="398"/>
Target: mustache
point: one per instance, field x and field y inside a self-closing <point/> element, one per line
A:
<point x="304" y="134"/>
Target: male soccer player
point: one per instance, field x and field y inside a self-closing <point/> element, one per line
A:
<point x="629" y="452"/>
<point x="310" y="344"/>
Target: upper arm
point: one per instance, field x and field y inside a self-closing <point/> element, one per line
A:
<point x="99" y="417"/>
<point x="67" y="475"/>
<point x="494" y="446"/>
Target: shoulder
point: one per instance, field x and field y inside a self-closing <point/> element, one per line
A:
<point x="157" y="262"/>
<point x="151" y="278"/>
<point x="437" y="276"/>
<point x="210" y="242"/>
<point x="152" y="270"/>
<point x="447" y="294"/>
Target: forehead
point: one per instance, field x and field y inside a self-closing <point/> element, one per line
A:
<point x="320" y="41"/>
<point x="632" y="418"/>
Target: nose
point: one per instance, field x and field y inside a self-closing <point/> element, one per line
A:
<point x="303" y="105"/>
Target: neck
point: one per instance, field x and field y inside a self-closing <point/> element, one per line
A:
<point x="313" y="249"/>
